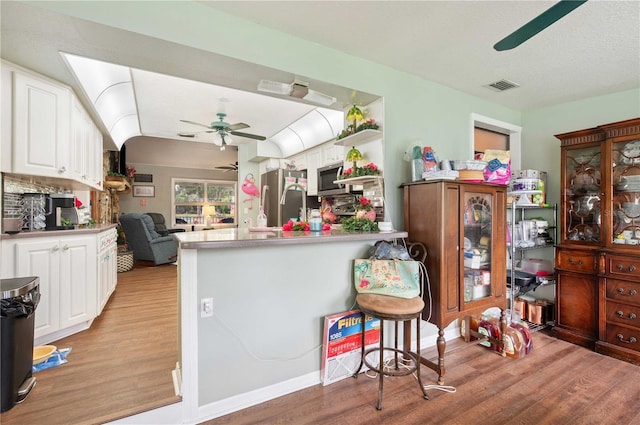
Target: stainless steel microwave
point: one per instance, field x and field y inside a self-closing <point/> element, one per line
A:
<point x="326" y="178"/>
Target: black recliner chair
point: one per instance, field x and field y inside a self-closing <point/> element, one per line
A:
<point x="160" y="226"/>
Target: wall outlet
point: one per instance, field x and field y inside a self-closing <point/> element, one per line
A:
<point x="206" y="307"/>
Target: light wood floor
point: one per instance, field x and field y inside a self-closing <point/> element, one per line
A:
<point x="121" y="365"/>
<point x="558" y="383"/>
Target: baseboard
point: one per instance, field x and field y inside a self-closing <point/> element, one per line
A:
<point x="251" y="398"/>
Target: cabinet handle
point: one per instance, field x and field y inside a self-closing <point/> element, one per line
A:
<point x="631" y="340"/>
<point x="574" y="262"/>
<point x="55" y="248"/>
<point x="620" y="267"/>
<point x="631" y="292"/>
<point x="632" y="316"/>
<point x="65" y="247"/>
<point x="62" y="169"/>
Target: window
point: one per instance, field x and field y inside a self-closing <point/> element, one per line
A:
<point x="203" y="201"/>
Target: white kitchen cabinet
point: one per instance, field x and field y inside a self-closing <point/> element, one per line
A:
<point x="67" y="268"/>
<point x="107" y="267"/>
<point x="41" y="127"/>
<point x="332" y="154"/>
<point x="86" y="147"/>
<point x="313" y="163"/>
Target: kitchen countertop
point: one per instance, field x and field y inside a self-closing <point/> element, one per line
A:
<point x="238" y="238"/>
<point x="72" y="232"/>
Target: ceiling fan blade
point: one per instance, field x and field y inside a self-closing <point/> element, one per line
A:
<point x="247" y="135"/>
<point x="237" y="126"/>
<point x="196" y="123"/>
<point x="542" y="21"/>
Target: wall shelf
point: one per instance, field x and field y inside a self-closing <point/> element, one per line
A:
<point x="360" y="137"/>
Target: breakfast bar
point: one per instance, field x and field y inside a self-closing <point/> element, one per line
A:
<point x="253" y="307"/>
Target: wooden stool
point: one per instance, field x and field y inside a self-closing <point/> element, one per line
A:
<point x="395" y="309"/>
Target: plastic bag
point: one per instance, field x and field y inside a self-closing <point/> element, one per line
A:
<point x="57" y="358"/>
<point x="498" y="169"/>
<point x="383" y="250"/>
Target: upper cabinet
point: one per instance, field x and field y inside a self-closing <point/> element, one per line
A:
<point x="41" y="127"/>
<point x="46" y="131"/>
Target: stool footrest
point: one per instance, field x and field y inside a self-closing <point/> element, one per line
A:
<point x="394" y="370"/>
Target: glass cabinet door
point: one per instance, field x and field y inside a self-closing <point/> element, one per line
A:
<point x="582" y="208"/>
<point x="477" y="245"/>
<point x="626" y="192"/>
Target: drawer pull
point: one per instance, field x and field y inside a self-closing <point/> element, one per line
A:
<point x="620" y="267"/>
<point x="631" y="340"/>
<point x="632" y="316"/>
<point x="574" y="262"/>
<point x="631" y="292"/>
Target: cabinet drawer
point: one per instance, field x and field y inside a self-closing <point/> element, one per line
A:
<point x="623" y="267"/>
<point x="623" y="313"/>
<point x="577" y="261"/>
<point x="623" y="290"/>
<point x="623" y="336"/>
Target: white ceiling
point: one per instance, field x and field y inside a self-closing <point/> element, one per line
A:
<point x="592" y="51"/>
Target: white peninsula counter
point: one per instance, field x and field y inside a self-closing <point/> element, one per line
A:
<point x="270" y="292"/>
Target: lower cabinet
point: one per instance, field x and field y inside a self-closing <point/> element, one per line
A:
<point x="66" y="268"/>
<point x="78" y="274"/>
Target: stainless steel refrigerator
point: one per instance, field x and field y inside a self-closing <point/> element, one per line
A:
<point x="272" y="186"/>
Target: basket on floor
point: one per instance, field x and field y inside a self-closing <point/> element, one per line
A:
<point x="125" y="261"/>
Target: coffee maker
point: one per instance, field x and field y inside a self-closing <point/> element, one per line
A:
<point x="55" y="202"/>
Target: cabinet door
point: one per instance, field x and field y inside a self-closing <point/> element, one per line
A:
<point x="582" y="196"/>
<point x="78" y="141"/>
<point x="483" y="224"/>
<point x="107" y="276"/>
<point x="625" y="220"/>
<point x="42" y="259"/>
<point x="577" y="307"/>
<point x="313" y="162"/>
<point x="78" y="283"/>
<point x="41" y="121"/>
<point x="332" y="154"/>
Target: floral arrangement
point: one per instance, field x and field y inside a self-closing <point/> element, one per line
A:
<point x="291" y="226"/>
<point x="365" y="209"/>
<point x="370" y="169"/>
<point x="354" y="224"/>
<point x="131" y="171"/>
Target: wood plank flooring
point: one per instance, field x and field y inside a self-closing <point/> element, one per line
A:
<point x="121" y="365"/>
<point x="558" y="383"/>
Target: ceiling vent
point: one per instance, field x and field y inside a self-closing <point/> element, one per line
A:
<point x="503" y="85"/>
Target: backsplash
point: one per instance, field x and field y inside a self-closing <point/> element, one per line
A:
<point x="17" y="184"/>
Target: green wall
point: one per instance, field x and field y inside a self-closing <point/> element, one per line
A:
<point x="416" y="111"/>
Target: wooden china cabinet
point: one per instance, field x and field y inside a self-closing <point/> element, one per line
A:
<point x="598" y="258"/>
<point x="463" y="226"/>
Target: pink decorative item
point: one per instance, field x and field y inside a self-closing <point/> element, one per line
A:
<point x="249" y="187"/>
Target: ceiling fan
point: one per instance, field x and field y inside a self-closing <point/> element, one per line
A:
<point x="542" y="21"/>
<point x="222" y="130"/>
<point x="227" y="168"/>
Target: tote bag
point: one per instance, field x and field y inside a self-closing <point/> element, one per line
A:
<point x="395" y="278"/>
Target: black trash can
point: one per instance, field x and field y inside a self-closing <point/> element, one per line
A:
<point x="18" y="302"/>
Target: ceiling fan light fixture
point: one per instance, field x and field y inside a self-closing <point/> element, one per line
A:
<point x="222" y="139"/>
<point x="319" y="98"/>
<point x="274" y="87"/>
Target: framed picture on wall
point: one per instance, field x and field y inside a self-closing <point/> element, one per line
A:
<point x="144" y="191"/>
